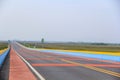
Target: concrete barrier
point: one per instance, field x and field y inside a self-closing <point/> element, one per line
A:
<point x="88" y="55"/>
<point x="3" y="56"/>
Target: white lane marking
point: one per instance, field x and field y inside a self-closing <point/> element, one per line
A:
<point x="30" y="66"/>
<point x="26" y="47"/>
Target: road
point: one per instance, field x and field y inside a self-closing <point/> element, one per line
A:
<point x="53" y="66"/>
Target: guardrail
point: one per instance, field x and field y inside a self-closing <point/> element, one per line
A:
<point x="3" y="57"/>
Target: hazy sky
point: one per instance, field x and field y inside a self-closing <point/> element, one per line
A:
<point x="60" y="20"/>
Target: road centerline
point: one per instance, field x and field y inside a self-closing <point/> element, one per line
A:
<point x="94" y="68"/>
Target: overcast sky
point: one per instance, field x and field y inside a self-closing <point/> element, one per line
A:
<point x="60" y="20"/>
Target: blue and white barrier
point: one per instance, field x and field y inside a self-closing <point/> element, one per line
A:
<point x="3" y="56"/>
<point x="80" y="54"/>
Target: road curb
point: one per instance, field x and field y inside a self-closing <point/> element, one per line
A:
<point x="3" y="57"/>
<point x="88" y="55"/>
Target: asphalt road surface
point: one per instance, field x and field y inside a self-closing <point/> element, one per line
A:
<point x="53" y="66"/>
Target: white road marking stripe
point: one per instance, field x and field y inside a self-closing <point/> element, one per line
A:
<point x="30" y="66"/>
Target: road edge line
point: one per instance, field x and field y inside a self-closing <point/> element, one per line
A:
<point x="29" y="65"/>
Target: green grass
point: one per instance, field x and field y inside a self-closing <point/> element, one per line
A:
<point x="3" y="45"/>
<point x="76" y="46"/>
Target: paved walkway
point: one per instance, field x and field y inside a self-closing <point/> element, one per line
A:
<point x="18" y="69"/>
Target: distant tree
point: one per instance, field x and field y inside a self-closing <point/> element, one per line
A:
<point x="42" y="40"/>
